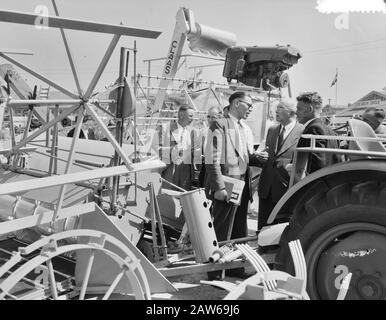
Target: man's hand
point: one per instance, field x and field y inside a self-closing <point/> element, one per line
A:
<point x="262" y="156"/>
<point x="289" y="167"/>
<point x="221" y="195"/>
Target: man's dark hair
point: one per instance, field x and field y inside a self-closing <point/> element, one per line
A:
<point x="378" y="113"/>
<point x="236" y="95"/>
<point x="184" y="107"/>
<point x="312" y="98"/>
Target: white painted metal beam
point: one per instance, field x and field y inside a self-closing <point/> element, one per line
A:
<point x="39" y="183"/>
<point x="73" y="24"/>
<point x="16" y="51"/>
<point x="43" y="218"/>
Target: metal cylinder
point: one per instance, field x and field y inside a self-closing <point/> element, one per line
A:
<point x="230" y="256"/>
<point x="220" y="253"/>
<point x="211" y="40"/>
<point x="200" y="225"/>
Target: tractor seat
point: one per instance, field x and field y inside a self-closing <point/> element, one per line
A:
<point x="360" y="128"/>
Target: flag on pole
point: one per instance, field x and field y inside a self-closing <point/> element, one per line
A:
<point x="335" y="79"/>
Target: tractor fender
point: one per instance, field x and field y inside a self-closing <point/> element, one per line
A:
<point x="350" y="169"/>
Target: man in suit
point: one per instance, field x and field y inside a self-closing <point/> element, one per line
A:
<point x="214" y="113"/>
<point x="179" y="144"/>
<point x="279" y="147"/>
<point x="375" y="117"/>
<point x="227" y="153"/>
<point x="309" y="109"/>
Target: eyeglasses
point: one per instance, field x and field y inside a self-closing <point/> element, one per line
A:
<point x="248" y="104"/>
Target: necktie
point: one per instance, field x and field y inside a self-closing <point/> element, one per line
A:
<point x="280" y="138"/>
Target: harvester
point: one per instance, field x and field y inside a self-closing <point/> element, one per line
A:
<point x="73" y="210"/>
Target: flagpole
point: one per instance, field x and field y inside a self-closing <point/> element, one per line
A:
<point x="336" y="90"/>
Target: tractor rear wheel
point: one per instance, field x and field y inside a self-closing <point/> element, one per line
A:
<point x="341" y="230"/>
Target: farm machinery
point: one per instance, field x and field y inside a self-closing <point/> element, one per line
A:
<point x="83" y="218"/>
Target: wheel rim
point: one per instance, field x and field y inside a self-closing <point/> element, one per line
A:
<point x="368" y="282"/>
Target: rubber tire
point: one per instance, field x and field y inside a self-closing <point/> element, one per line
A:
<point x="308" y="227"/>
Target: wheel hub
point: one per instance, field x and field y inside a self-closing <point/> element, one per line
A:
<point x="363" y="254"/>
<point x="370" y="288"/>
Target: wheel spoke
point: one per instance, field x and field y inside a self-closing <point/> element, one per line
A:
<point x="114" y="284"/>
<point x="87" y="275"/>
<point x="51" y="274"/>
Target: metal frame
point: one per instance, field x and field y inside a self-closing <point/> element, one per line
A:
<point x="50" y="248"/>
<point x="82" y="104"/>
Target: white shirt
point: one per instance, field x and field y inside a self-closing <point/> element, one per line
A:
<point x="181" y="134"/>
<point x="288" y="128"/>
<point x="249" y="144"/>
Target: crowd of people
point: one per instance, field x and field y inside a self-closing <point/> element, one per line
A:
<point x="225" y="148"/>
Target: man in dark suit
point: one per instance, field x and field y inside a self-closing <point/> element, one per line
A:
<point x="279" y="147"/>
<point x="309" y="109"/>
<point x="214" y="113"/>
<point x="227" y="153"/>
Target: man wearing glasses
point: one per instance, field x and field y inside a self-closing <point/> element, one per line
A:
<point x="229" y="153"/>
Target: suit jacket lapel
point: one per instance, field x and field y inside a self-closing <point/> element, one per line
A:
<point x="289" y="141"/>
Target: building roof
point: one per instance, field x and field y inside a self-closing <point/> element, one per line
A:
<point x="375" y="98"/>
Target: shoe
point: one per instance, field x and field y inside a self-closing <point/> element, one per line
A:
<point x="235" y="273"/>
<point x="214" y="275"/>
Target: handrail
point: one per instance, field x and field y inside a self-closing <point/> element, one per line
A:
<point x="313" y="137"/>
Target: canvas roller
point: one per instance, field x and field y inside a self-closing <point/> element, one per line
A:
<point x="210" y="40"/>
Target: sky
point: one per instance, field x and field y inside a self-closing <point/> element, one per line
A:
<point x="358" y="50"/>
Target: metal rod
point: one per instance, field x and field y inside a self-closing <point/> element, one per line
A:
<point x="15" y="103"/>
<point x="104" y="110"/>
<point x="187" y="55"/>
<point x="153" y="223"/>
<point x="28" y="185"/>
<point x="69" y="161"/>
<point x="28" y="125"/>
<point x="90" y="163"/>
<point x="12" y="128"/>
<point x="110" y="137"/>
<point x="59" y="159"/>
<point x="119" y="124"/>
<point x="17" y="51"/>
<point x="44" y="128"/>
<point x="102" y="66"/>
<point x="135" y="117"/>
<point x="66" y="150"/>
<point x="173" y="185"/>
<point x="24" y="102"/>
<point x="87" y="275"/>
<point x="47" y="131"/>
<point x="160" y="225"/>
<point x="114" y="284"/>
<point x="184" y="80"/>
<point x="39" y="76"/>
<point x="51" y="274"/>
<point x="68" y="51"/>
<point x="239" y="240"/>
<point x="206" y="65"/>
<point x="74" y="24"/>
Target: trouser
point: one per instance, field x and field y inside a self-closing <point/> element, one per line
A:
<point x="266" y="206"/>
<point x="222" y="213"/>
<point x="180" y="175"/>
